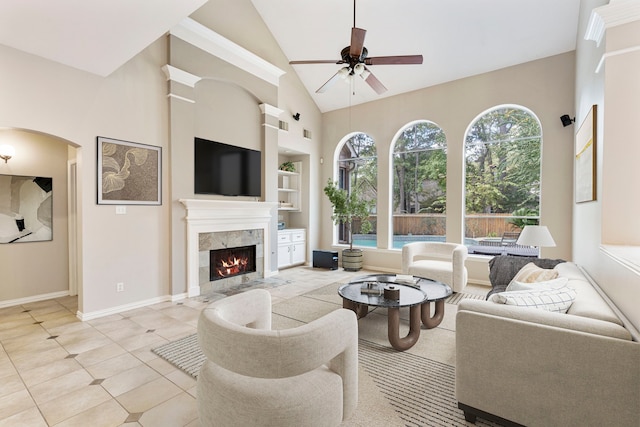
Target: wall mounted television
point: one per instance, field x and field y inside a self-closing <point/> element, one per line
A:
<point x="227" y="170"/>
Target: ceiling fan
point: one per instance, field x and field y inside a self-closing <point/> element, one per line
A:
<point x="356" y="60"/>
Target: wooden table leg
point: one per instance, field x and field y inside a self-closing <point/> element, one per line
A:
<point x="361" y="310"/>
<point x="432" y="321"/>
<point x="407" y="342"/>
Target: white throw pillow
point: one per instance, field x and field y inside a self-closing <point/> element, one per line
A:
<point x="560" y="282"/>
<point x="557" y="300"/>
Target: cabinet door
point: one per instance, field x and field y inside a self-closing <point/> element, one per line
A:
<point x="284" y="255"/>
<point x="298" y="253"/>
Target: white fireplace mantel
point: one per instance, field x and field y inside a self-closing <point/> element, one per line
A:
<point x="210" y="216"/>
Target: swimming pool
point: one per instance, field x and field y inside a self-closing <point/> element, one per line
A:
<point x="370" y="241"/>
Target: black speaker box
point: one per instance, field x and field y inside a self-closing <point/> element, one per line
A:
<point x="325" y="259"/>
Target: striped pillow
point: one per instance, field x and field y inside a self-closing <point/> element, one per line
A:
<point x="532" y="273"/>
<point x="557" y="300"/>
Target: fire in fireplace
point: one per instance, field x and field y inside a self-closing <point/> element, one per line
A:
<point x="231" y="262"/>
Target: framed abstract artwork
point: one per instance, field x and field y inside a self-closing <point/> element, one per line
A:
<point x="585" y="158"/>
<point x="26" y="208"/>
<point x="129" y="173"/>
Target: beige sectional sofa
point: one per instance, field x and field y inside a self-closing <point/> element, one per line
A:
<point x="528" y="366"/>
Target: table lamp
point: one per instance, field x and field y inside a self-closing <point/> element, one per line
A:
<point x="536" y="235"/>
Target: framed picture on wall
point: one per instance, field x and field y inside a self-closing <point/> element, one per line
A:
<point x="129" y="173"/>
<point x="585" y="158"/>
<point x="26" y="208"/>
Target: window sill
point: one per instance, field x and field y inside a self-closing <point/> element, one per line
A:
<point x="629" y="256"/>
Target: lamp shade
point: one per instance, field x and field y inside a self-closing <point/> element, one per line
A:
<point x="536" y="235"/>
<point x="7" y="150"/>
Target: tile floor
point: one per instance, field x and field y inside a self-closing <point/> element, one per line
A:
<point x="58" y="371"/>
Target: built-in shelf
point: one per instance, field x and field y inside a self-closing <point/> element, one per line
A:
<point x="289" y="189"/>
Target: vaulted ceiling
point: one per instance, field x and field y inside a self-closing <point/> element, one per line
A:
<point x="457" y="38"/>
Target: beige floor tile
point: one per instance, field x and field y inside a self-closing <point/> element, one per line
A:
<point x="107" y="414"/>
<point x="162" y="366"/>
<point x="6" y="367"/>
<point x="38" y="356"/>
<point x="100" y="354"/>
<point x="83" y="340"/>
<point x="64" y="325"/>
<point x="147" y="396"/>
<point x="15" y="403"/>
<point x="27" y="418"/>
<point x="177" y="411"/>
<point x="29" y="344"/>
<point x="142" y="340"/>
<point x="24" y="331"/>
<point x="72" y="404"/>
<point x="129" y="379"/>
<point x="54" y="388"/>
<point x="11" y="384"/>
<point x="113" y="366"/>
<point x="181" y="379"/>
<point x="49" y="371"/>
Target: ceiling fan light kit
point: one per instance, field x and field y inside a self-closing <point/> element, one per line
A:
<point x="355" y="56"/>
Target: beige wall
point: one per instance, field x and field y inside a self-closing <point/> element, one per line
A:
<point x="546" y="87"/>
<point x="612" y="217"/>
<point x="131" y="105"/>
<point x="36" y="268"/>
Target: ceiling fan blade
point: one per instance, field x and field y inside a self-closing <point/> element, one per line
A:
<point x="357" y="42"/>
<point x="317" y="61"/>
<point x="374" y="82"/>
<point x="329" y="83"/>
<point x="394" y="60"/>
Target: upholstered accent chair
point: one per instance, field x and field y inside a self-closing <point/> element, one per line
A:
<point x="256" y="376"/>
<point x="439" y="261"/>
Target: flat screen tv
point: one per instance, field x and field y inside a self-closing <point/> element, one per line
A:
<point x="226" y="169"/>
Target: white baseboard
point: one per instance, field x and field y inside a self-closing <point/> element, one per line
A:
<point x="35" y="298"/>
<point x="179" y="297"/>
<point x="121" y="308"/>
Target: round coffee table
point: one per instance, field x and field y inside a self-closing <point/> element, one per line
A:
<point x="359" y="294"/>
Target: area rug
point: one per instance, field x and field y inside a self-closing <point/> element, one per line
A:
<point x="422" y="391"/>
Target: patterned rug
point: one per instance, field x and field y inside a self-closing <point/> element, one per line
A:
<point x="421" y="390"/>
<point x="459" y="296"/>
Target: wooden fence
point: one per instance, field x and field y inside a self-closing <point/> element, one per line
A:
<point x="493" y="225"/>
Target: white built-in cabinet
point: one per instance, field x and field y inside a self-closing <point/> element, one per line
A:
<point x="289" y="189"/>
<point x="292" y="247"/>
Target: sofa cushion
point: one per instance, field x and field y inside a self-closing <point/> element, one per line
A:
<point x="589" y="302"/>
<point x="503" y="268"/>
<point x="558" y="300"/>
<point x="537" y="286"/>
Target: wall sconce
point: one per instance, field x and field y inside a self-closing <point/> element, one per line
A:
<point x="6" y="152"/>
<point x="566" y="120"/>
<point x="296" y="116"/>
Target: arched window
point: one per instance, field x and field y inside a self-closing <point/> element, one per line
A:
<point x="419" y="169"/>
<point x="357" y="167"/>
<point x="502" y="190"/>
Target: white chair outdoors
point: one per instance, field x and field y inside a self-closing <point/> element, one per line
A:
<point x="439" y="261"/>
<point x="255" y="376"/>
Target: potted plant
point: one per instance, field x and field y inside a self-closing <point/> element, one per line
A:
<point x="348" y="207"/>
<point x="288" y="167"/>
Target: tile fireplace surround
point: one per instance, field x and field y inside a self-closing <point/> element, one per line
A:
<point x="212" y="224"/>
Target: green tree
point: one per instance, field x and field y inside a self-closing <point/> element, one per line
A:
<point x="420" y="169"/>
<point x="503" y="162"/>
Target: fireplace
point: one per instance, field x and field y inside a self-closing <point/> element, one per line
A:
<point x="230" y="262"/>
<point x="223" y="224"/>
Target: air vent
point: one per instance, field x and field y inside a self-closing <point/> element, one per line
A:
<point x="283" y="125"/>
<point x="306" y="133"/>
